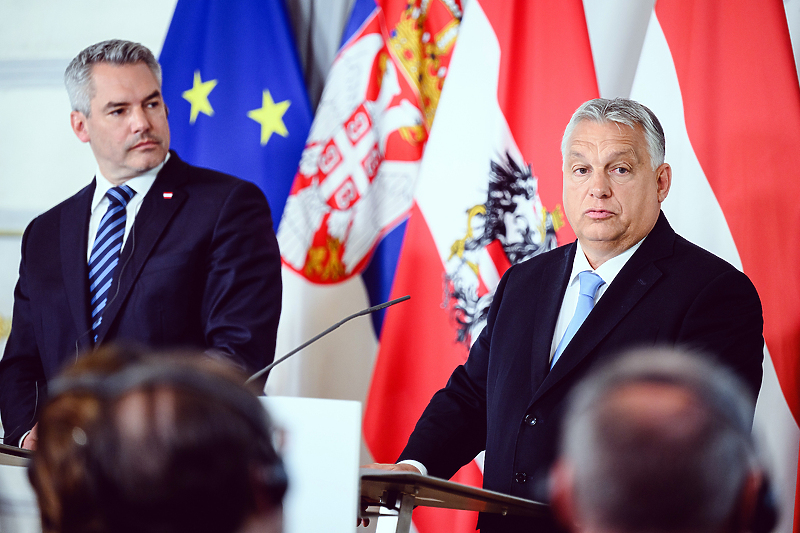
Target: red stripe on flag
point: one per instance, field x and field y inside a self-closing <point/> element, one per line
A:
<point x="418" y="352"/>
<point x="418" y="349"/>
<point x="546" y="72"/>
<point x="499" y="258"/>
<point x="742" y="105"/>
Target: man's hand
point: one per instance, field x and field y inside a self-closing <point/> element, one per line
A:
<point x="399" y="468"/>
<point x="30" y="440"/>
<point x="382" y="466"/>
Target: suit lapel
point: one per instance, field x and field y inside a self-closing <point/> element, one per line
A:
<point x="635" y="279"/>
<point x="555" y="275"/>
<point x="74" y="241"/>
<point x="152" y="220"/>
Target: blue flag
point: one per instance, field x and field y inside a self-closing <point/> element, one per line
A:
<point x="235" y="92"/>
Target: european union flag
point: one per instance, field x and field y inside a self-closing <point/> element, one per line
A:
<point x="235" y="91"/>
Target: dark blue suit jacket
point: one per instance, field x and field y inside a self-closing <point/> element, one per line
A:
<point x="199" y="270"/>
<point x="506" y="400"/>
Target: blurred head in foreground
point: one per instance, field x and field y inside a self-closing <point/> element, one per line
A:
<point x="162" y="444"/>
<point x="659" y="441"/>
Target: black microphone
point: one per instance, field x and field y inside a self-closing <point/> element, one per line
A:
<point x="366" y="311"/>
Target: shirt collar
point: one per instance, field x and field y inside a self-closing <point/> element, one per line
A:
<point x="608" y="270"/>
<point x="141" y="184"/>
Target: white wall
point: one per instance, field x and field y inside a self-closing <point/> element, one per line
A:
<point x="41" y="161"/>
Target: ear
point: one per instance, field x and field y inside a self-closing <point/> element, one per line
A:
<point x="78" y="122"/>
<point x="562" y="498"/>
<point x="663" y="181"/>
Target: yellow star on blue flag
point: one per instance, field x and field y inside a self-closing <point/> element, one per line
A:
<point x="218" y="60"/>
<point x="270" y="116"/>
<point x="198" y="97"/>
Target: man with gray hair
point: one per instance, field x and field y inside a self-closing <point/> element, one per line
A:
<point x="629" y="280"/>
<point x="153" y="250"/>
<point x="659" y="441"/>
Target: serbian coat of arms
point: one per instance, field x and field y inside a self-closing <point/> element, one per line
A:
<point x="357" y="173"/>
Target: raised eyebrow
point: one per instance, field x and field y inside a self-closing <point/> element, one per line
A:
<point x="113" y="105"/>
<point x="154" y="94"/>
<point x="575" y="155"/>
<point x="614" y="157"/>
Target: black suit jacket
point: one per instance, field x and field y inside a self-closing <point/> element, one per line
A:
<point x="506" y="400"/>
<point x="200" y="269"/>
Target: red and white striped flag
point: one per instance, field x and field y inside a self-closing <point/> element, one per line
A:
<point x="509" y="93"/>
<point x="721" y="77"/>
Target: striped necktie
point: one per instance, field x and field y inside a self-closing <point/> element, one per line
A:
<point x="590" y="282"/>
<point x="105" y="252"/>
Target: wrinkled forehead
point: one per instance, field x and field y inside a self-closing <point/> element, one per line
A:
<point x="607" y="128"/>
<point x="111" y="78"/>
<point x="608" y="137"/>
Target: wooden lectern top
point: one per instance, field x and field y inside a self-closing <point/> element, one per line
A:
<point x="13" y="456"/>
<point x="387" y="487"/>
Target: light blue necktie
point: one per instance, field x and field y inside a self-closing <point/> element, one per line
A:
<point x="105" y="252"/>
<point x="590" y="282"/>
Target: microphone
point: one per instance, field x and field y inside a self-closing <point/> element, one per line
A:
<point x="366" y="311"/>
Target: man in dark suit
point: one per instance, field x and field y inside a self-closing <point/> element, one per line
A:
<point x="153" y="251"/>
<point x="629" y="276"/>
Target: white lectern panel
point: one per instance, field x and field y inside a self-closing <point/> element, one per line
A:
<point x="320" y="447"/>
<point x="19" y="512"/>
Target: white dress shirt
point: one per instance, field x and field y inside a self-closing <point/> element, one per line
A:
<point x="608" y="271"/>
<point x="140" y="184"/>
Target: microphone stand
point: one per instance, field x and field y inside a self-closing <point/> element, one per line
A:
<point x="333" y="327"/>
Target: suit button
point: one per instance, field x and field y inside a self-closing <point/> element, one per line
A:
<point x="520" y="477"/>
<point x="530" y="420"/>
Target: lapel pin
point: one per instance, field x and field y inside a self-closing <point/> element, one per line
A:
<point x="167" y="195"/>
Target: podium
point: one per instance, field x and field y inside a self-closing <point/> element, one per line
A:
<point x="388" y="489"/>
<point x="320" y="448"/>
<point x="13" y="456"/>
<point x="19" y="511"/>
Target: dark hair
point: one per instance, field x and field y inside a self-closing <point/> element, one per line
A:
<point x="58" y="469"/>
<point x="182" y="451"/>
<point x="177" y="444"/>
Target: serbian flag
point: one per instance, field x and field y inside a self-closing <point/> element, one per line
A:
<point x="722" y="79"/>
<point x="488" y="196"/>
<point x="345" y="217"/>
